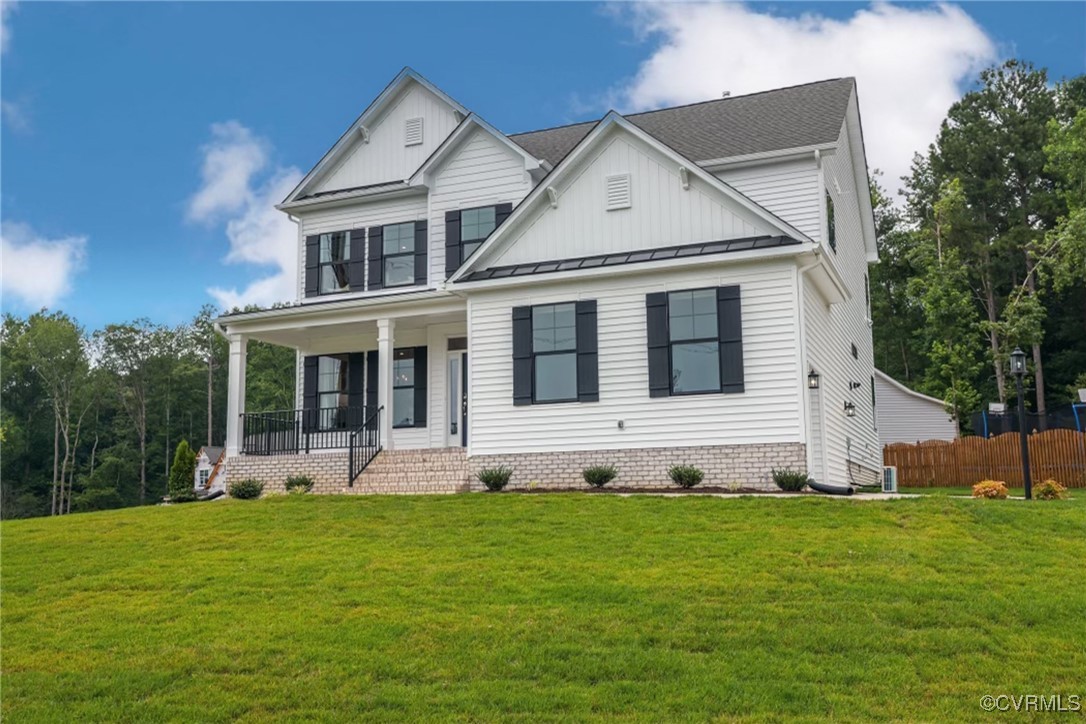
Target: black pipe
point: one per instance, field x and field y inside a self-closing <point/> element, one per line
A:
<point x="830" y="489"/>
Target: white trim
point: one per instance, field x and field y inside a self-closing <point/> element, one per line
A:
<point x="613" y="119"/>
<point x="894" y="383"/>
<point x="391" y="90"/>
<point x="782" y="154"/>
<point x="380" y="192"/>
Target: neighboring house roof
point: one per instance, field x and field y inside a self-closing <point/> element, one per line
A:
<point x="213" y="453"/>
<point x="905" y="415"/>
<point x="633" y="257"/>
<point x="795" y="117"/>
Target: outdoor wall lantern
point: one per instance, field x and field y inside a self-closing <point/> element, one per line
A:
<point x="812" y="380"/>
<point x="1018" y="367"/>
<point x="855" y="385"/>
<point x="850" y="409"/>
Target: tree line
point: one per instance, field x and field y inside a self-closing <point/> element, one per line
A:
<point x="988" y="249"/>
<point x="91" y="420"/>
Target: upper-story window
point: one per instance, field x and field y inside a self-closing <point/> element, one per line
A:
<point x="335" y="259"/>
<point x="399" y="248"/>
<point x="475" y="226"/>
<point x="831" y="226"/>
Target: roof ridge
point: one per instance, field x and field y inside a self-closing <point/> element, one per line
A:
<point x="689" y="105"/>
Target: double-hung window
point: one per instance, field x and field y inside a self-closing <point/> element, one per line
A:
<point x="475" y="227"/>
<point x="695" y="341"/>
<point x="332" y="391"/>
<point x="554" y="350"/>
<point x="204" y="475"/>
<point x="399" y="254"/>
<point x="334" y="262"/>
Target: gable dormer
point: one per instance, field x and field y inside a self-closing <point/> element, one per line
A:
<point x="389" y="141"/>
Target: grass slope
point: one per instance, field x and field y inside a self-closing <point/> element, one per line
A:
<point x="542" y="607"/>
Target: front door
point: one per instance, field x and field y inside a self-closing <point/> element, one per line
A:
<point x="457" y="385"/>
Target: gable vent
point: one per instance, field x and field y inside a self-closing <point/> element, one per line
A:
<point x="618" y="191"/>
<point x="413" y="132"/>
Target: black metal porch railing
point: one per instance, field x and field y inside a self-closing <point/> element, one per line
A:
<point x="365" y="444"/>
<point x="295" y="431"/>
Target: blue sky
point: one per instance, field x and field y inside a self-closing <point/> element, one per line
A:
<point x="109" y="107"/>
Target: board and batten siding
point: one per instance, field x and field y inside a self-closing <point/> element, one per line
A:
<point x="767" y="411"/>
<point x="788" y="189"/>
<point x="375" y="212"/>
<point x="386" y="157"/>
<point x="661" y="213"/>
<point x="831" y="330"/>
<point x="481" y="172"/>
<point x="908" y="416"/>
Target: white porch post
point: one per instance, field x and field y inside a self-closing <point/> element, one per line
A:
<point x="385" y="345"/>
<point x="235" y="396"/>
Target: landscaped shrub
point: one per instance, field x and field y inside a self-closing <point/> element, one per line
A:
<point x="685" y="476"/>
<point x="599" y="475"/>
<point x="789" y="480"/>
<point x="1050" y="490"/>
<point x="995" y="489"/>
<point x="183" y="474"/>
<point x="494" y="478"/>
<point x="299" y="484"/>
<point x="246" y="489"/>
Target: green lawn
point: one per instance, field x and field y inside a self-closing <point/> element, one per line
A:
<point x="545" y="607"/>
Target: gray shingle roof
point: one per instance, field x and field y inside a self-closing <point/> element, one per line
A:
<point x="803" y="115"/>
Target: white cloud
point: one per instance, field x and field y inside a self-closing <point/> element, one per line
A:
<point x="36" y="271"/>
<point x="15" y="115"/>
<point x="237" y="189"/>
<point x="909" y="63"/>
<point x="6" y="8"/>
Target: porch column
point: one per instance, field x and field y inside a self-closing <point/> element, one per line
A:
<point x="235" y="395"/>
<point x="385" y="346"/>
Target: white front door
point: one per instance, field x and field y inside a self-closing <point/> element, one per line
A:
<point x="456" y="424"/>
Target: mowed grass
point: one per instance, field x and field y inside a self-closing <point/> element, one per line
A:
<point x="538" y="608"/>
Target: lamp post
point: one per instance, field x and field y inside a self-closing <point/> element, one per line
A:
<point x="1018" y="367"/>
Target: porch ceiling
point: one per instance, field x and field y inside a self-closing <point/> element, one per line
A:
<point x="306" y="326"/>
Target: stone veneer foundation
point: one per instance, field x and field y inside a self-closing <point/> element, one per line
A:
<point x="449" y="470"/>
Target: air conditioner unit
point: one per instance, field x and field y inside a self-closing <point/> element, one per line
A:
<point x="889" y="479"/>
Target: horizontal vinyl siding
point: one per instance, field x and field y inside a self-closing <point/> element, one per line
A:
<point x="385" y="157"/>
<point x="908" y="418"/>
<point x="661" y="213"/>
<point x="831" y="331"/>
<point x="788" y="189"/>
<point x="482" y="172"/>
<point x="766" y="412"/>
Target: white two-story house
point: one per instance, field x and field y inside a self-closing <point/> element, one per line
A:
<point x="686" y="285"/>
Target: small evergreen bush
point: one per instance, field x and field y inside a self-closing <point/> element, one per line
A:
<point x="1050" y="490"/>
<point x="685" y="476"/>
<point x="599" y="475"/>
<point x="993" y="489"/>
<point x="183" y="474"/>
<point x="247" y="489"/>
<point x="791" y="481"/>
<point x="494" y="478"/>
<point x="299" y="484"/>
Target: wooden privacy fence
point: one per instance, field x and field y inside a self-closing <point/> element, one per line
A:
<point x="1058" y="454"/>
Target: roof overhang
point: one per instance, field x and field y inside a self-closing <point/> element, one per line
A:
<point x="918" y="395"/>
<point x="391" y="190"/>
<point x="854" y="129"/>
<point x="613" y="120"/>
<point x="402" y="79"/>
<point x="782" y="154"/>
<point x="424" y="174"/>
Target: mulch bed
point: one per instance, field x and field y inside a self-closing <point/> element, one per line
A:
<point x="698" y="490"/>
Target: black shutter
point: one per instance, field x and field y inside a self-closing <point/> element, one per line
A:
<point x="371" y="385"/>
<point x="588" y="374"/>
<point x="729" y="317"/>
<point x="358" y="260"/>
<point x="658" y="339"/>
<point x="522" y="355"/>
<point x="377" y="257"/>
<point x="356" y="389"/>
<point x="421" y="272"/>
<point x="452" y="242"/>
<point x="309" y="393"/>
<point x="421" y="372"/>
<point x="312" y="265"/>
<point x="501" y="213"/>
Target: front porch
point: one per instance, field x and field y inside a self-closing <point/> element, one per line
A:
<point x="385" y="373"/>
